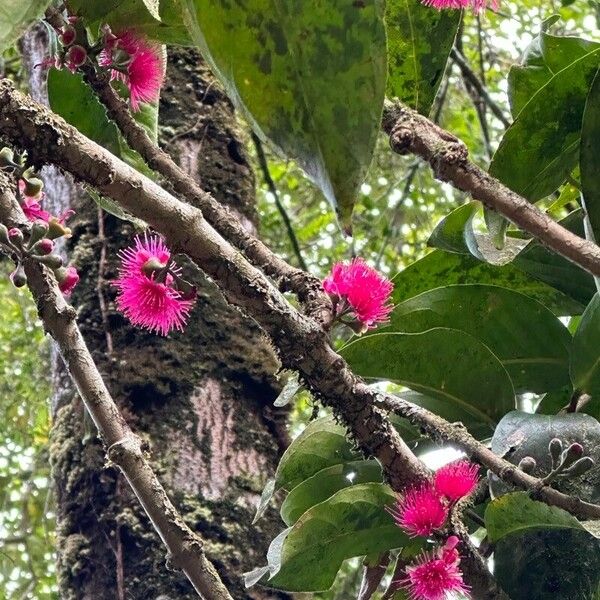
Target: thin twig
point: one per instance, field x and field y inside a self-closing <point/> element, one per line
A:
<point x="264" y="167"/>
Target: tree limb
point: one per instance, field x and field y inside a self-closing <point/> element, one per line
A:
<point x="124" y="448"/>
<point x="410" y="132"/>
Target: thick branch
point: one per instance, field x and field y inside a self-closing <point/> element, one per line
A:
<point x="439" y="429"/>
<point x="124" y="448"/>
<point x="448" y="156"/>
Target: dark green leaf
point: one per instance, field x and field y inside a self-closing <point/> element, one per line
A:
<point x="419" y="42"/>
<point x="325" y="483"/>
<point x="309" y="77"/>
<point x="589" y="157"/>
<point x="585" y="355"/>
<point x="353" y="522"/>
<point x="517" y="513"/>
<point x="440" y="268"/>
<point x="532" y="344"/>
<point x="476" y="383"/>
<point x="541" y="147"/>
<point x="16" y="16"/>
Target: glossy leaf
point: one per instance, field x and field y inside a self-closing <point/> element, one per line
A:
<point x="325" y="483"/>
<point x="309" y="77"/>
<point x="352" y="522"/>
<point x="16" y="16"/>
<point x="585" y="355"/>
<point x="443" y="268"/>
<point x="541" y="147"/>
<point x="427" y="362"/>
<point x="419" y="42"/>
<point x="532" y="344"/>
<point x="517" y="513"/>
<point x="589" y="157"/>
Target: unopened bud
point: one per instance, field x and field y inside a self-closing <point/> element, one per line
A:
<point x="38" y="231"/>
<point x="527" y="464"/>
<point x="67" y="279"/>
<point x="18" y="276"/>
<point x="571" y="454"/>
<point x="75" y="56"/>
<point x="15" y="236"/>
<point x="43" y="247"/>
<point x="579" y="467"/>
<point x="555" y="448"/>
<point x="3" y="233"/>
<point x="7" y="157"/>
<point x="67" y="35"/>
<point x="33" y="187"/>
<point x="51" y="260"/>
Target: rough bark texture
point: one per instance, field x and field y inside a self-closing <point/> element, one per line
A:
<point x="201" y="399"/>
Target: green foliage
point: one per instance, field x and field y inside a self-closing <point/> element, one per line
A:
<point x="16" y="16"/>
<point x="585" y="356"/>
<point x="310" y="78"/>
<point x="419" y="41"/>
<point x="590" y="156"/>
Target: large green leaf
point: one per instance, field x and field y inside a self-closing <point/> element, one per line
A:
<point x="589" y="157"/>
<point x="443" y="268"/>
<point x="447" y="364"/>
<point x="517" y="513"/>
<point x="352" y="522"/>
<point x="16" y="16"/>
<point x="585" y="355"/>
<point x="541" y="147"/>
<point x="532" y="344"/>
<point x="309" y="76"/>
<point x="325" y="483"/>
<point x="419" y="42"/>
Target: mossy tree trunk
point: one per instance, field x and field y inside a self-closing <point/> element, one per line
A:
<point x="202" y="399"/>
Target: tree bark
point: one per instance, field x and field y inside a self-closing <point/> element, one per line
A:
<point x="202" y="399"/>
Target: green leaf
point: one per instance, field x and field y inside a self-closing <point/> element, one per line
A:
<point x="419" y="42"/>
<point x="518" y="513"/>
<point x="427" y="362"/>
<point x="541" y="147"/>
<point x="443" y="268"/>
<point x="531" y="343"/>
<point x="310" y="77"/>
<point x="585" y="355"/>
<point x="589" y="156"/>
<point x="352" y="522"/>
<point x="16" y="16"/>
<point x="325" y="483"/>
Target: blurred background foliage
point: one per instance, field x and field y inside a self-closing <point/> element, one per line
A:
<point x="399" y="206"/>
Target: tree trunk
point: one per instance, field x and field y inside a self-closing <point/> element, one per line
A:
<point x="202" y="399"/>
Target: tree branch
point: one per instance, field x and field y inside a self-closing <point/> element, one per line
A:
<point x="440" y="429"/>
<point x="124" y="448"/>
<point x="410" y="132"/>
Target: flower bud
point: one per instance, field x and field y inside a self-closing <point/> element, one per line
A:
<point x="527" y="464"/>
<point x="7" y="157"/>
<point x="3" y="233"/>
<point x="67" y="279"/>
<point x="67" y="35"/>
<point x="51" y="260"/>
<point x="15" y="236"/>
<point x="43" y="247"/>
<point x="18" y="276"/>
<point x="571" y="454"/>
<point x="579" y="467"/>
<point x="39" y="229"/>
<point x="75" y="57"/>
<point x="33" y="187"/>
<point x="555" y="448"/>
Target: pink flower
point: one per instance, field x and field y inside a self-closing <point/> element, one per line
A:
<point x="435" y="576"/>
<point x="67" y="278"/>
<point x="475" y="5"/>
<point x="142" y="68"/>
<point x="31" y="206"/>
<point x="420" y="512"/>
<point x="360" y="290"/>
<point x="155" y="305"/>
<point x="456" y="480"/>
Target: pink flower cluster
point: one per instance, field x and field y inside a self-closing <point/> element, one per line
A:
<point x="475" y="5"/>
<point x="147" y="287"/>
<point x="424" y="510"/>
<point x="361" y="291"/>
<point x="137" y="62"/>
